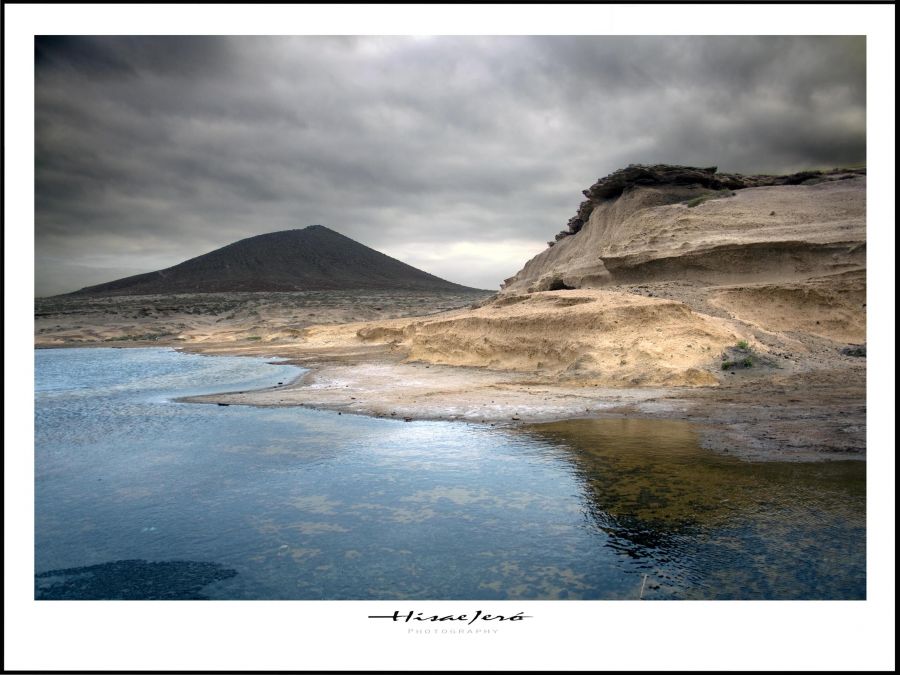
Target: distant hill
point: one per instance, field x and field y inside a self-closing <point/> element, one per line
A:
<point x="314" y="258"/>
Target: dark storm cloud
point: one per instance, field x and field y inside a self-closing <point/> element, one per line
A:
<point x="115" y="56"/>
<point x="459" y="155"/>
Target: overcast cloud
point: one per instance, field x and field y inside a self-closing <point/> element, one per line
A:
<point x="461" y="156"/>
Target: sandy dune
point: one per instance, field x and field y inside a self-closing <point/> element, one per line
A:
<point x="590" y="337"/>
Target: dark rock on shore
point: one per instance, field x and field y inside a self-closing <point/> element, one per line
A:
<point x="131" y="580"/>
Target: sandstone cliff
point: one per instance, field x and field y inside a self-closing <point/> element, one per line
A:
<point x="682" y="223"/>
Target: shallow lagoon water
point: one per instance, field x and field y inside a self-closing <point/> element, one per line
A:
<point x="139" y="496"/>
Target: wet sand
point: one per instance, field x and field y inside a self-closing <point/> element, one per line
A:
<point x="802" y="418"/>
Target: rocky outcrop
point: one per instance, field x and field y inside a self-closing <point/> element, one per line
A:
<point x="668" y="222"/>
<point x="660" y="174"/>
<point x="674" y="176"/>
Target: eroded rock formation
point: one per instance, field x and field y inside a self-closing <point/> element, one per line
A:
<point x="675" y="222"/>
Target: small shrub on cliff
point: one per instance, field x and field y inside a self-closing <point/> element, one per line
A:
<point x="854" y="350"/>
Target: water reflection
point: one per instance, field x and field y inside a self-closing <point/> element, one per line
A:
<point x="707" y="525"/>
<point x="306" y="504"/>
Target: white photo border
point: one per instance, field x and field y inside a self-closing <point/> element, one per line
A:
<point x="565" y="635"/>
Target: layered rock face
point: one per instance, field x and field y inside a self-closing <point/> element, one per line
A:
<point x="668" y="222"/>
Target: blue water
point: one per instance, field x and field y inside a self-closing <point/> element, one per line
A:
<point x="292" y="503"/>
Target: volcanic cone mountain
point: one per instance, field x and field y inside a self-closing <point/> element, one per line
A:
<point x="314" y="258"/>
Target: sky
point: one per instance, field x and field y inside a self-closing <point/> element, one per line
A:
<point x="461" y="156"/>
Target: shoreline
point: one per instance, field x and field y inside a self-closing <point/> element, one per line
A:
<point x="543" y="357"/>
<point x="750" y="420"/>
<point x="753" y="420"/>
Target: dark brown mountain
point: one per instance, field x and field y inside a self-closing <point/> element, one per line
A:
<point x="314" y="258"/>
